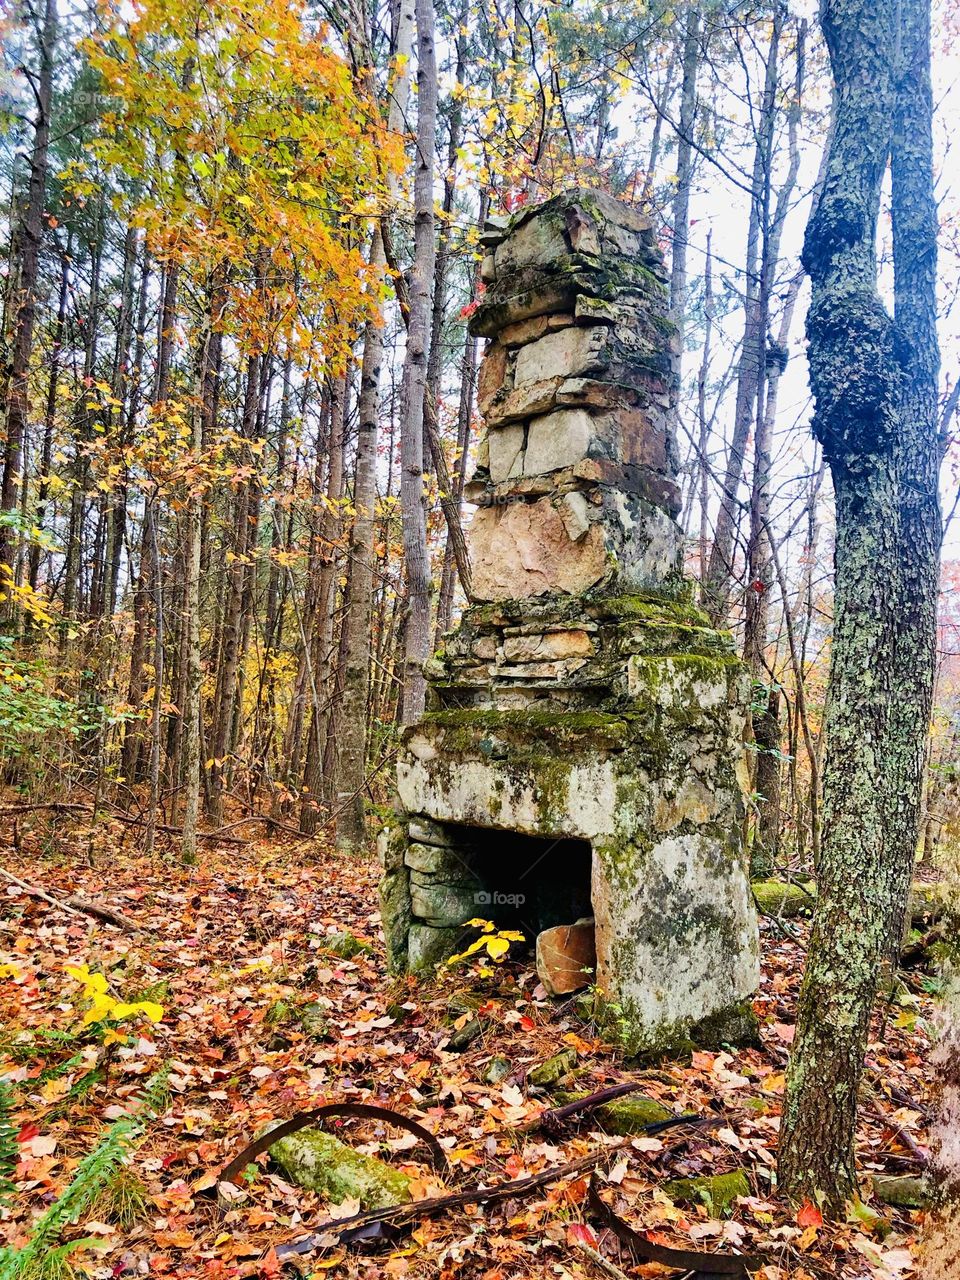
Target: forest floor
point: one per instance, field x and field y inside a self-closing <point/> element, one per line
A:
<point x="235" y="948"/>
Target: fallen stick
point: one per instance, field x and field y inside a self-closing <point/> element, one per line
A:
<point x="554" y="1119"/>
<point x="129" y="819"/>
<point x="44" y="804"/>
<point x="455" y="1200"/>
<point x="606" y="1266"/>
<point x="75" y="905"/>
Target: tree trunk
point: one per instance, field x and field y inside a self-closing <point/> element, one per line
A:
<point x="681" y="200"/>
<point x="761" y="252"/>
<point x="938" y="1252"/>
<point x="201" y="422"/>
<point x="50" y="415"/>
<point x="324" y="626"/>
<point x="28" y="240"/>
<point x="875" y="383"/>
<point x="358" y="603"/>
<point x="416" y="554"/>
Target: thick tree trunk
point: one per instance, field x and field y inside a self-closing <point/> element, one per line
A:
<point x="875" y="383"/>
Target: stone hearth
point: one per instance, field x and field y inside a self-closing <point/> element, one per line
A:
<point x="582" y="748"/>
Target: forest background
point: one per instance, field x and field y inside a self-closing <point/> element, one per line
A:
<point x="205" y="521"/>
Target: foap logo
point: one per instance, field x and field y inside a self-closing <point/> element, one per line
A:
<point x="496" y="899"/>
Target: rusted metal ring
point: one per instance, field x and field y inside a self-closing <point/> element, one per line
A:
<point x="704" y="1265"/>
<point x="305" y="1119"/>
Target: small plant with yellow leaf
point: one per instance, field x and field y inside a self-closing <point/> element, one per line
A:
<point x="492" y="944"/>
<point x="104" y="1011"/>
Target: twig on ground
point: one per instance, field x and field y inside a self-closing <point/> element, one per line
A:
<point x="75" y="905"/>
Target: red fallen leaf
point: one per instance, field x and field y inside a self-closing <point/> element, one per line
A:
<point x="808" y="1215"/>
<point x="269" y="1264"/>
<point x="28" y="1132"/>
<point x="528" y="1024"/>
<point x="579" y="1233"/>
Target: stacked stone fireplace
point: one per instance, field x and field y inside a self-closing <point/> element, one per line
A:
<point x="580" y="756"/>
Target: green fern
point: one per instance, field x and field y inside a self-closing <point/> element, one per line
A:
<point x="40" y="1256"/>
<point x="9" y="1149"/>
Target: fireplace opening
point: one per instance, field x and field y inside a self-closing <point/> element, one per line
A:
<point x="528" y="883"/>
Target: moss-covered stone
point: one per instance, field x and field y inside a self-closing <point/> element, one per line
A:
<point x="777" y="898"/>
<point x="926" y="901"/>
<point x="625" y="1116"/>
<point x="718" y="1191"/>
<point x="902" y="1192"/>
<point x="428" y="946"/>
<point x="464" y="1036"/>
<point x="736" y="1026"/>
<point x="549" y="1072"/>
<point x="395" y="912"/>
<point x="321" y="1163"/>
<point x="497" y="1069"/>
<point x="344" y="945"/>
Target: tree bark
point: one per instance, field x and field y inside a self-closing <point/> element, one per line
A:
<point x="358" y="604"/>
<point x="875" y="382"/>
<point x="28" y="239"/>
<point x="681" y="200"/>
<point x="761" y="253"/>
<point x="416" y="554"/>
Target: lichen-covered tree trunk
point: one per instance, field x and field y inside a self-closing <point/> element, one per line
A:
<point x="875" y="381"/>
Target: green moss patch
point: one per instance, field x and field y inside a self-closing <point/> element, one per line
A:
<point x="718" y="1192"/>
<point x="321" y="1163"/>
<point x="777" y="898"/>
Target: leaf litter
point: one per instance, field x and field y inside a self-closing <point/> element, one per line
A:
<point x="264" y="1017"/>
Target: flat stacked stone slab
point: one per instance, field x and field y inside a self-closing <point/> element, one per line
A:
<point x="583" y="697"/>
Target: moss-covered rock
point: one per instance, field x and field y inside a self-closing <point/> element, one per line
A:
<point x="497" y="1069"/>
<point x="429" y="946"/>
<point x="736" y="1026"/>
<point x="777" y="898"/>
<point x="464" y="1036"/>
<point x="344" y="945"/>
<point x="926" y="902"/>
<point x="902" y="1192"/>
<point x="718" y="1191"/>
<point x="321" y="1163"/>
<point x="549" y="1072"/>
<point x="624" y="1116"/>
<point x="789" y="900"/>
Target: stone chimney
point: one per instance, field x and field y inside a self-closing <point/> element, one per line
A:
<point x="576" y="478"/>
<point x="579" y="761"/>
